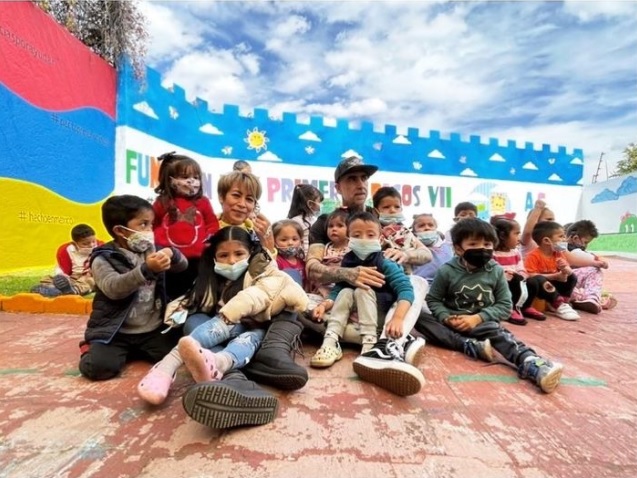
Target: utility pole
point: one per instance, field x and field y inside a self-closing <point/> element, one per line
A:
<point x="599" y="166"/>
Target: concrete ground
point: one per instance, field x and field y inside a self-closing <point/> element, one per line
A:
<point x="470" y="420"/>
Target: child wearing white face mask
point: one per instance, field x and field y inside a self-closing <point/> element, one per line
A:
<point x="425" y="228"/>
<point x="364" y="231"/>
<point x="398" y="242"/>
<point x="184" y="217"/>
<point x="238" y="289"/>
<point x="127" y="315"/>
<point x="305" y="207"/>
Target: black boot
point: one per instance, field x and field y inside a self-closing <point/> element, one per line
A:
<point x="230" y="402"/>
<point x="273" y="364"/>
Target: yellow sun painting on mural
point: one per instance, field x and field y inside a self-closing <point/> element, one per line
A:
<point x="256" y="140"/>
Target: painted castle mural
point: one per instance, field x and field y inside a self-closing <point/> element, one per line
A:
<point x="74" y="131"/>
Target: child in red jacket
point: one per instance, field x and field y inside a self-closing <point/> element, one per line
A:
<point x="183" y="217"/>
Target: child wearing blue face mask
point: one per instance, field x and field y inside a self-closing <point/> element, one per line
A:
<point x="238" y="289"/>
<point x="425" y="229"/>
<point x="548" y="260"/>
<point x="130" y="296"/>
<point x="290" y="256"/>
<point x="398" y="242"/>
<point x="364" y="231"/>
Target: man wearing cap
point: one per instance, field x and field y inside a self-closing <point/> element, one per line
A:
<point x="386" y="367"/>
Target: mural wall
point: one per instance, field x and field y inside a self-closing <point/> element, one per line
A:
<point x="612" y="206"/>
<point x="57" y="138"/>
<point x="63" y="150"/>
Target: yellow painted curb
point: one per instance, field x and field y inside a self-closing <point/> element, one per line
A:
<point x="35" y="303"/>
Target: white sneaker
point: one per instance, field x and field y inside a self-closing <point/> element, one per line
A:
<point x="566" y="312"/>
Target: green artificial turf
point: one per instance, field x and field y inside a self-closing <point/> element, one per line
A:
<point x="12" y="283"/>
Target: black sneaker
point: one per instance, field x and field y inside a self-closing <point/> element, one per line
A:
<point x="384" y="366"/>
<point x="414" y="350"/>
<point x="479" y="349"/>
<point x="63" y="283"/>
<point x="544" y="373"/>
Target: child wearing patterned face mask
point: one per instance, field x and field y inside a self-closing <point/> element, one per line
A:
<point x="425" y="229"/>
<point x="397" y="241"/>
<point x="548" y="260"/>
<point x="364" y="232"/>
<point x="237" y="291"/>
<point x="290" y="255"/>
<point x="127" y="315"/>
<point x="183" y="216"/>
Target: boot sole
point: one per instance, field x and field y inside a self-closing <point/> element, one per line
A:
<point x="415" y="358"/>
<point x="397" y="377"/>
<point x="550" y="382"/>
<point x="219" y="406"/>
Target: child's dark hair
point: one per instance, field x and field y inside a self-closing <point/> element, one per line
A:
<point x="206" y="291"/>
<point x="338" y="213"/>
<point x="302" y="194"/>
<point x="279" y="225"/>
<point x="473" y="228"/>
<point x="583" y="228"/>
<point x="385" y="192"/>
<point x="503" y="228"/>
<point x="465" y="206"/>
<point x="81" y="231"/>
<point x="363" y="216"/>
<point x="175" y="165"/>
<point x="544" y="229"/>
<point x="119" y="210"/>
<point x="240" y="165"/>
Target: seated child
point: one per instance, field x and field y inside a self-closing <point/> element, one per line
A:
<point x="237" y="291"/>
<point x="305" y="207"/>
<point x="364" y="231"/>
<point x="425" y="228"/>
<point x="539" y="213"/>
<point x="463" y="210"/>
<point x="72" y="275"/>
<point x="129" y="303"/>
<point x="398" y="242"/>
<point x="548" y="260"/>
<point x="587" y="267"/>
<point x="290" y="256"/>
<point x="468" y="299"/>
<point x="524" y="289"/>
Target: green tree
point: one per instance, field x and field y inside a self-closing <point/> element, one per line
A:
<point x="110" y="28"/>
<point x="629" y="163"/>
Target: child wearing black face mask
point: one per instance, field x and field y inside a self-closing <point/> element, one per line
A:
<point x="469" y="297"/>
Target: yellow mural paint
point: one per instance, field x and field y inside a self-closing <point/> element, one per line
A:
<point x="35" y="221"/>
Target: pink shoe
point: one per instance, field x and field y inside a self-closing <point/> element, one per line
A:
<point x="154" y="387"/>
<point x="516" y="318"/>
<point x="608" y="301"/>
<point x="533" y="313"/>
<point x="200" y="362"/>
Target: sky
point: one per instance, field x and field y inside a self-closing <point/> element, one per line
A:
<point x="560" y="73"/>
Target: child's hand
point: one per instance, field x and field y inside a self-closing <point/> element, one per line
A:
<point x="540" y="205"/>
<point x="508" y="275"/>
<point x="561" y="263"/>
<point x="464" y="323"/>
<point x="396" y="255"/>
<point x="318" y="313"/>
<point x="167" y="251"/>
<point x="157" y="262"/>
<point x="601" y="264"/>
<point x="394" y="328"/>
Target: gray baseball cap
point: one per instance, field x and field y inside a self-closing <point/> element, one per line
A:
<point x="353" y="164"/>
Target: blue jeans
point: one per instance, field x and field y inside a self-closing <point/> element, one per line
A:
<point x="240" y="342"/>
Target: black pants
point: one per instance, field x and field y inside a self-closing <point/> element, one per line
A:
<point x="436" y="333"/>
<point x="565" y="289"/>
<point x="178" y="283"/>
<point x="537" y="286"/>
<point x="105" y="361"/>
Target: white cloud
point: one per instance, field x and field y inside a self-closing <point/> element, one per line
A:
<point x="498" y="158"/>
<point x="577" y="161"/>
<point x="554" y="177"/>
<point x="468" y="172"/>
<point x="309" y="136"/>
<point x="208" y="128"/>
<point x="269" y="156"/>
<point x="531" y="166"/>
<point x="417" y="165"/>
<point x="400" y="139"/>
<point x="146" y="109"/>
<point x="435" y="154"/>
<point x="349" y="153"/>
